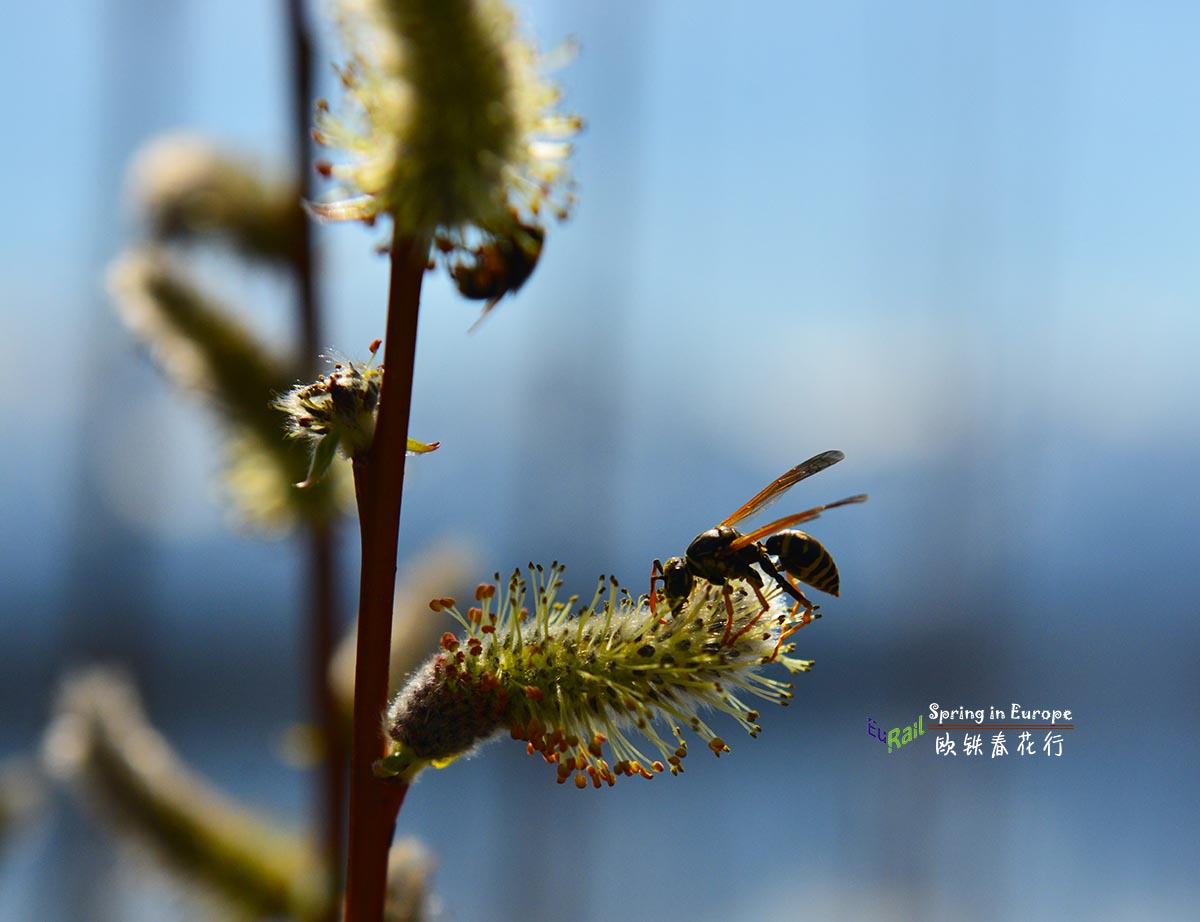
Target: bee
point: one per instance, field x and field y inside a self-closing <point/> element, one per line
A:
<point x="723" y="553"/>
<point x="499" y="267"/>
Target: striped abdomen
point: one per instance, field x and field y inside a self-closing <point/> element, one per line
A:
<point x="803" y="557"/>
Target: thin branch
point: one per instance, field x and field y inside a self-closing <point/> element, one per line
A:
<point x="320" y="544"/>
<point x="379" y="485"/>
<point x="302" y="102"/>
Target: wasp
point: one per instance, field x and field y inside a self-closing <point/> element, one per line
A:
<point x="723" y="553"/>
<point x="500" y="266"/>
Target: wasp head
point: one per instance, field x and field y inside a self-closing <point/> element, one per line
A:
<point x="677" y="580"/>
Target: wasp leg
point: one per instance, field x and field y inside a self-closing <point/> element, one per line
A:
<point x="784" y="581"/>
<point x="483" y="314"/>
<point x="762" y="600"/>
<point x="656" y="574"/>
<point x="727" y="590"/>
<point x="785" y="631"/>
<point x="801" y="601"/>
<point x="807" y="618"/>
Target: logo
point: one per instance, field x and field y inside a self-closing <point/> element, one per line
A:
<point x="1018" y="719"/>
<point x="897" y="736"/>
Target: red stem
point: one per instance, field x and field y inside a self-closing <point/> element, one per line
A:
<point x="379" y="485"/>
<point x="321" y="548"/>
<point x="330" y="789"/>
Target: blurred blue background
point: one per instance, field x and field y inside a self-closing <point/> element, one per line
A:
<point x="956" y="241"/>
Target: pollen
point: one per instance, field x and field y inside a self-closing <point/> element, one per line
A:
<point x="601" y="690"/>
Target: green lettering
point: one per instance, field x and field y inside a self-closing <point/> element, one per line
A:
<point x="894" y="739"/>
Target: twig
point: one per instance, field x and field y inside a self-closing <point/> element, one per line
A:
<point x="379" y="485"/>
<point x="320" y="544"/>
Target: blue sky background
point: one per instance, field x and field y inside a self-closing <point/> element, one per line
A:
<point x="956" y="241"/>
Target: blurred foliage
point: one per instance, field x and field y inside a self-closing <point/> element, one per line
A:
<point x="101" y="742"/>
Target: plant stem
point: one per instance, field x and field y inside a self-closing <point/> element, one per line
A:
<point x="319" y="539"/>
<point x="330" y="789"/>
<point x="378" y="487"/>
<point x="302" y="102"/>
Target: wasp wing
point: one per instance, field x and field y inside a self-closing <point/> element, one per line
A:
<point x="787" y="522"/>
<point x="782" y="484"/>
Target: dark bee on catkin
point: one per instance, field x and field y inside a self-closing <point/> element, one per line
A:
<point x="499" y="266"/>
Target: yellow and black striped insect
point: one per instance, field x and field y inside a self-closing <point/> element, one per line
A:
<point x="723" y="553"/>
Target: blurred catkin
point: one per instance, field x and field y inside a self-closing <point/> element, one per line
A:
<point x="203" y="348"/>
<point x="100" y="742"/>
<point x="21" y="793"/>
<point x="446" y="122"/>
<point x="186" y="188"/>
